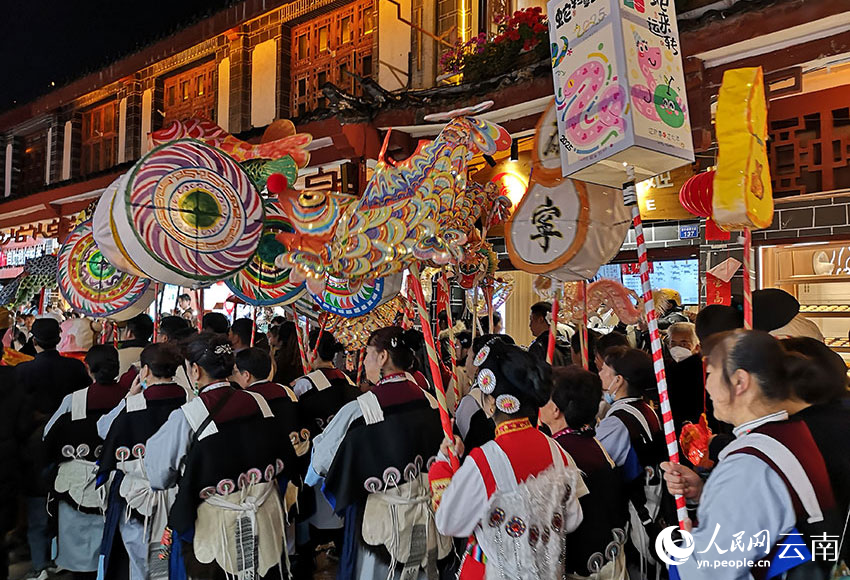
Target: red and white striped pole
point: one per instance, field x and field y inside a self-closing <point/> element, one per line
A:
<point x="433" y="360"/>
<point x="553" y="324"/>
<point x="748" y="279"/>
<point x="444" y="284"/>
<point x="630" y="199"/>
<point x="585" y="356"/>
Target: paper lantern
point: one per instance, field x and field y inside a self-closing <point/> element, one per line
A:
<point x="186" y="214"/>
<point x="351" y="299"/>
<point x="696" y="194"/>
<point x="619" y="88"/>
<point x="567" y="231"/>
<point x="102" y="230"/>
<point x="743" y="192"/>
<point x="94" y="286"/>
<point x="261" y="282"/>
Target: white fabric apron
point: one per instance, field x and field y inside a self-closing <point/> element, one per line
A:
<point x="243" y="532"/>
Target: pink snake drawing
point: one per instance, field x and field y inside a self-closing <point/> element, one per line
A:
<point x="644" y="97"/>
<point x="594" y="105"/>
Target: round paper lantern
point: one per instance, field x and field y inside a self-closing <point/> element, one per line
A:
<point x="188" y="215"/>
<point x="351" y="299"/>
<point x="103" y="232"/>
<point x="568" y="230"/>
<point x="697" y="192"/>
<point x="94" y="286"/>
<point x="261" y="282"/>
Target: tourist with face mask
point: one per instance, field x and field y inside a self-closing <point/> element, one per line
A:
<point x="681" y="340"/>
<point x="771" y="483"/>
<point x="632" y="435"/>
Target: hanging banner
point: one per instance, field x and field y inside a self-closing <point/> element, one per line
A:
<point x="619" y="88"/>
<point x="717" y="291"/>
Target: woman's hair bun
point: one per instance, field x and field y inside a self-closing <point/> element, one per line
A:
<point x="413" y="339"/>
<point x="213" y="353"/>
<point x="520" y="374"/>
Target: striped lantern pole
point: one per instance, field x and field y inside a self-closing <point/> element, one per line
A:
<point x="300" y="339"/>
<point x="360" y="366"/>
<point x="630" y="199"/>
<point x="157" y="304"/>
<point x="199" y="298"/>
<point x="433" y="361"/>
<point x="585" y="355"/>
<point x="253" y="325"/>
<point x="488" y="294"/>
<point x="553" y="324"/>
<point x="748" y="279"/>
<point x="474" y="310"/>
<point x="322" y="319"/>
<point x="444" y="284"/>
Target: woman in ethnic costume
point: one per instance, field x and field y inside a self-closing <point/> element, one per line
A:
<point x="770" y="494"/>
<point x="223" y="451"/>
<point x="72" y="441"/>
<point x="373" y="457"/>
<point x="515" y="498"/>
<point x="136" y="512"/>
<point x="321" y="394"/>
<point x="596" y="547"/>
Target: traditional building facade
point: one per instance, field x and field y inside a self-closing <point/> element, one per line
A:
<point x="345" y="71"/>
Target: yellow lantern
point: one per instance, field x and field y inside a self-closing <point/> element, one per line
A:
<point x="743" y="197"/>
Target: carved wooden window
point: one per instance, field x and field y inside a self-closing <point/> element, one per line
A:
<point x="190" y="94"/>
<point x="33" y="161"/>
<point x="327" y="49"/>
<point x="100" y="138"/>
<point x="809" y="146"/>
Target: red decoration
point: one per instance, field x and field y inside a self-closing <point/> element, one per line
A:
<point x="717" y="291"/>
<point x="695" y="440"/>
<point x="696" y="197"/>
<point x="277" y="183"/>
<point x="713" y="231"/>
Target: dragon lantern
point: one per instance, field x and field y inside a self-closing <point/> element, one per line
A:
<point x="422" y="208"/>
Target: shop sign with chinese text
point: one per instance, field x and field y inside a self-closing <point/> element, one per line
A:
<point x="619" y="88"/>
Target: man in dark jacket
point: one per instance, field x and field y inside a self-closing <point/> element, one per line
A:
<point x="43" y="383"/>
<point x="10" y="459"/>
<point x="538" y="322"/>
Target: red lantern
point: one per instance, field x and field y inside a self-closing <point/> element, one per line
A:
<point x="695" y="195"/>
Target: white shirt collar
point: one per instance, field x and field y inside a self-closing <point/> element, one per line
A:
<point x="214" y="386"/>
<point x="745" y="428"/>
<point x="619" y="403"/>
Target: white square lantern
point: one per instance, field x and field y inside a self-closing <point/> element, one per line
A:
<point x="619" y="89"/>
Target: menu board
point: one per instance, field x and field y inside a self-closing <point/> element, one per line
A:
<point x="679" y="275"/>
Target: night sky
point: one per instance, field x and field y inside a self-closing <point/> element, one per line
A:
<point x="44" y="41"/>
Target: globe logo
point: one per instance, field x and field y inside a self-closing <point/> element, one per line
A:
<point x="669" y="551"/>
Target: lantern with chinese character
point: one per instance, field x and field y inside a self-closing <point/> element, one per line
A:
<point x="620" y="89"/>
<point x="562" y="228"/>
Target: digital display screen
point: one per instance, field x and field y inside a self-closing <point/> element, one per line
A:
<point x="679" y="275"/>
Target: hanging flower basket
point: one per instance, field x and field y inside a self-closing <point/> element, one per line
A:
<point x="522" y="40"/>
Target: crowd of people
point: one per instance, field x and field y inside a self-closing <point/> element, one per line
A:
<point x="214" y="453"/>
